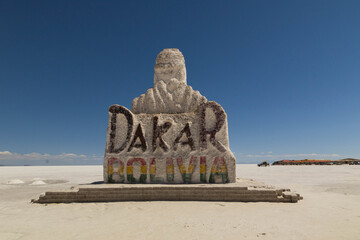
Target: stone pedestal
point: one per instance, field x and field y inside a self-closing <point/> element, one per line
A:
<point x="232" y="192"/>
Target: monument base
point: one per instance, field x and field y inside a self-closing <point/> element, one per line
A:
<point x="233" y="192"/>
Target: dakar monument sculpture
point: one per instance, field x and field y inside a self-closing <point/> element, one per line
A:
<point x="172" y="134"/>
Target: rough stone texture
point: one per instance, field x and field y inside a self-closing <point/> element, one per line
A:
<point x="234" y="192"/>
<point x="170" y="93"/>
<point x="172" y="135"/>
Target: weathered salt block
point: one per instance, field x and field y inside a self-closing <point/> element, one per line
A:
<point x="170" y="93"/>
<point x="171" y="135"/>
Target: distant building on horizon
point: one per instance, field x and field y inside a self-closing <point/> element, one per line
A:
<point x="350" y="161"/>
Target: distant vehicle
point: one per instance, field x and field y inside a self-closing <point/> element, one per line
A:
<point x="264" y="164"/>
<point x="354" y="163"/>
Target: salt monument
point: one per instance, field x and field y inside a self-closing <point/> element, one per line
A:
<point x="172" y="134"/>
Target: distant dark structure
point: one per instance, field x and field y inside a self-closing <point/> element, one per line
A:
<point x="349" y="161"/>
<point x="264" y="164"/>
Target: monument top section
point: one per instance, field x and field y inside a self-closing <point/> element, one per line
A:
<point x="170" y="63"/>
<point x="170" y="93"/>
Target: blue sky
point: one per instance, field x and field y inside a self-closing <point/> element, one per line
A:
<point x="286" y="72"/>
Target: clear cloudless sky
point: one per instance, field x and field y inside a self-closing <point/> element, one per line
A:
<point x="286" y="72"/>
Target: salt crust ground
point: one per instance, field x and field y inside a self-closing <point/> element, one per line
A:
<point x="330" y="209"/>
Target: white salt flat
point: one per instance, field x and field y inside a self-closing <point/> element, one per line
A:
<point x="15" y="181"/>
<point x="38" y="182"/>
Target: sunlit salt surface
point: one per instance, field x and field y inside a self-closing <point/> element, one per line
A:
<point x="15" y="181"/>
<point x="38" y="182"/>
<point x="330" y="208"/>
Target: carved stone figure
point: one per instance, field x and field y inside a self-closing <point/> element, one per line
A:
<point x="170" y="93"/>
